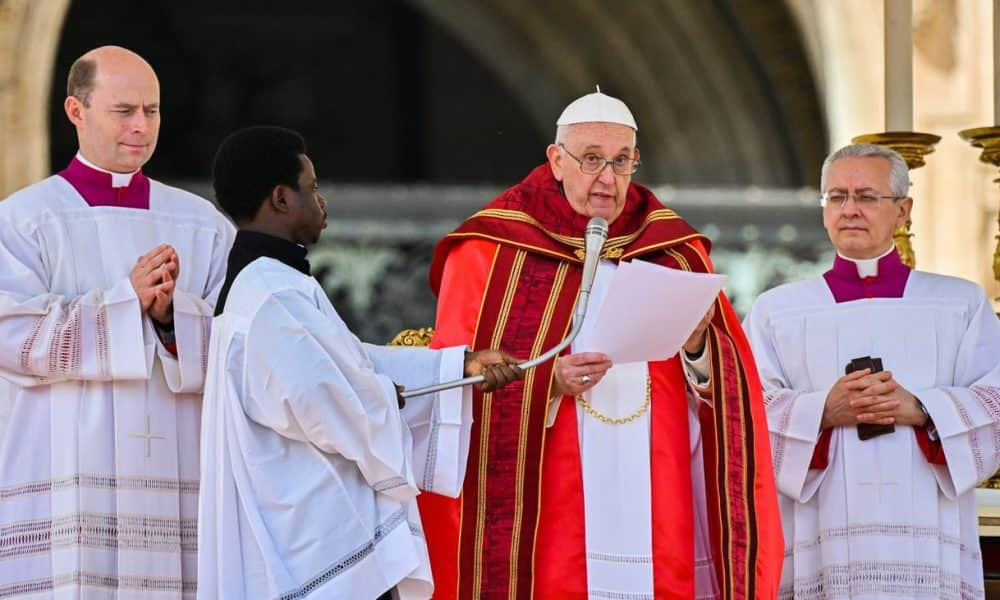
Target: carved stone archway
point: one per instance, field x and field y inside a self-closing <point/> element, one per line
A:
<point x="29" y="37"/>
<point x="722" y="99"/>
<point x="722" y="91"/>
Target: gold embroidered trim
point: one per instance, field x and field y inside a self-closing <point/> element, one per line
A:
<point x="661" y="214"/>
<point x="612" y="253"/>
<point x="529" y="383"/>
<point x="501" y="324"/>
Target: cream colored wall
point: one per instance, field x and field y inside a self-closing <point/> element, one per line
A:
<point x="955" y="212"/>
<point x="29" y="37"/>
<point x="953" y="88"/>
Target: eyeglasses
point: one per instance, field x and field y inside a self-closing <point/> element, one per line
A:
<point x="592" y="164"/>
<point x="866" y="200"/>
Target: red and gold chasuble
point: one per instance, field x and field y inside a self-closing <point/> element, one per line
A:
<point x="517" y="531"/>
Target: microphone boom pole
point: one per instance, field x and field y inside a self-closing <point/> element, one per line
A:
<point x="594" y="237"/>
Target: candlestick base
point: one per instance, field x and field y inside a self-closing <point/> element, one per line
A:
<point x="913" y="146"/>
<point x="987" y="138"/>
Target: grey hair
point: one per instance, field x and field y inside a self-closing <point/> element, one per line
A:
<point x="899" y="174"/>
<point x="561" y="132"/>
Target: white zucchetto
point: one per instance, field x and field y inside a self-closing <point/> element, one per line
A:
<point x="597" y="108"/>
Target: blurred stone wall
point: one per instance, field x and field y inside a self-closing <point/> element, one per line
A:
<point x="29" y="36"/>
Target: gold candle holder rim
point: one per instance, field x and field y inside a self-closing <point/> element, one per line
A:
<point x="977" y="135"/>
<point x="913" y="146"/>
<point x="987" y="138"/>
<point x="897" y="137"/>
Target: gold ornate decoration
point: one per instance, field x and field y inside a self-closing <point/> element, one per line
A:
<point x="992" y="483"/>
<point x="603" y="418"/>
<point x="913" y="147"/>
<point x="987" y="138"/>
<point x="413" y="337"/>
<point x="613" y="253"/>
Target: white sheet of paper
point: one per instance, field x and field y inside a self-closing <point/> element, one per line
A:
<point x="649" y="311"/>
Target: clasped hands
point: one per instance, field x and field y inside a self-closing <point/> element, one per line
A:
<point x="153" y="278"/>
<point x="874" y="398"/>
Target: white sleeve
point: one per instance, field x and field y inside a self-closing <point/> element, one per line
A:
<point x="45" y="337"/>
<point x="967" y="414"/>
<point x="441" y="423"/>
<point x="193" y="311"/>
<point x="310" y="380"/>
<point x="793" y="416"/>
<point x="697" y="369"/>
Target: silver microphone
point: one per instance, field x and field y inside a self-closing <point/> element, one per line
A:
<point x="594" y="237"/>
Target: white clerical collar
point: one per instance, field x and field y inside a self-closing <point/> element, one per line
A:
<point x="118" y="180"/>
<point x="868" y="267"/>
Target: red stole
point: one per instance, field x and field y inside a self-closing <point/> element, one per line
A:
<point x="527" y="308"/>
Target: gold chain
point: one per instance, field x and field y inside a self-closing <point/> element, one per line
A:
<point x="603" y="418"/>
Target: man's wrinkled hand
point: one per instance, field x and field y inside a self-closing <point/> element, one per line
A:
<point x="574" y="374"/>
<point x="888" y="402"/>
<point x="497" y="368"/>
<point x="842" y="406"/>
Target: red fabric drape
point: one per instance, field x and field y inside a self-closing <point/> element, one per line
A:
<point x="534" y="220"/>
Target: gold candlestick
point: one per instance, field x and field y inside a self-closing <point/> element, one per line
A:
<point x="987" y="138"/>
<point x="913" y="147"/>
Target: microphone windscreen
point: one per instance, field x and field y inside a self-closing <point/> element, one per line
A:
<point x="597" y="226"/>
<point x="593" y="240"/>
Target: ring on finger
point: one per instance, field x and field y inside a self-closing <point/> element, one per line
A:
<point x="584" y="380"/>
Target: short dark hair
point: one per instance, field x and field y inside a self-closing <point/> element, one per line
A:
<point x="80" y="82"/>
<point x="250" y="163"/>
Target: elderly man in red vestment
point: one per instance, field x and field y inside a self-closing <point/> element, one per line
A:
<point x="645" y="480"/>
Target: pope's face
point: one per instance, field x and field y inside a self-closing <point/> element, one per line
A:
<point x="119" y="128"/>
<point x="601" y="194"/>
<point x="856" y="232"/>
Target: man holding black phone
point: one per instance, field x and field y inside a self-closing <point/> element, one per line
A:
<point x="882" y="392"/>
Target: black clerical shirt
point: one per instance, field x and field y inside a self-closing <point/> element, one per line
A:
<point x="251" y="245"/>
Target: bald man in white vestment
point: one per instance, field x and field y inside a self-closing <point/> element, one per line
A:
<point x="876" y="469"/>
<point x="107" y="286"/>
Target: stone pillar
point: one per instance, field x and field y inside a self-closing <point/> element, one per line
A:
<point x="29" y="39"/>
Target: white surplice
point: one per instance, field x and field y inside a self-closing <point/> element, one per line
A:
<point x="99" y="422"/>
<point x="309" y="472"/>
<point x="880" y="521"/>
<point x="615" y="460"/>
